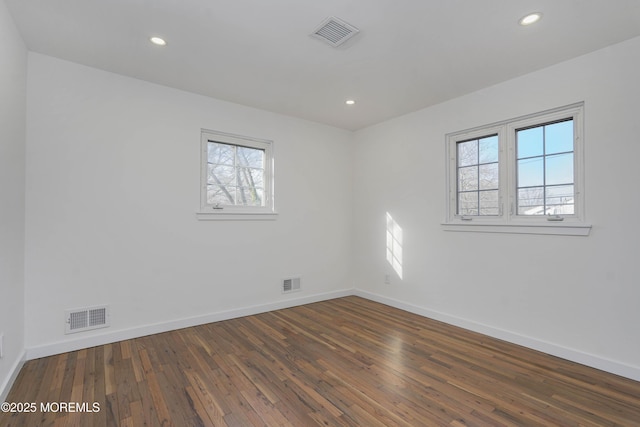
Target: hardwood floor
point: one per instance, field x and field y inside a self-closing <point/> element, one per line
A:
<point x="344" y="362"/>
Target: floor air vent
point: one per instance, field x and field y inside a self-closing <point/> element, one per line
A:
<point x="85" y="319"/>
<point x="291" y="285"/>
<point x="334" y="31"/>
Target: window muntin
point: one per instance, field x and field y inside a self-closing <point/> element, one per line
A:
<point x="478" y="176"/>
<point x="236" y="176"/>
<point x="545" y="169"/>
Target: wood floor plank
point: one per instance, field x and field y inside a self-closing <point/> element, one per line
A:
<point x="344" y="362"/>
<point x="157" y="396"/>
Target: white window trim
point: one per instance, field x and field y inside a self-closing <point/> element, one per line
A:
<point x="209" y="212"/>
<point x="508" y="221"/>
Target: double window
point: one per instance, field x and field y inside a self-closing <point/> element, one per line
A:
<point x="236" y="175"/>
<point x="524" y="175"/>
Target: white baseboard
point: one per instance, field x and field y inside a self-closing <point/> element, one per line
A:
<point x="612" y="366"/>
<point x="111" y="337"/>
<point x="11" y="378"/>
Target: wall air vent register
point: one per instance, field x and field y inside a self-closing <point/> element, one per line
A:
<point x="85" y="319"/>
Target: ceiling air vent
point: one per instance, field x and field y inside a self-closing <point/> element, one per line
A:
<point x="334" y="31"/>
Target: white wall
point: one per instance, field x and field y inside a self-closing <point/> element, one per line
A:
<point x="13" y="71"/>
<point x="575" y="296"/>
<point x="113" y="187"/>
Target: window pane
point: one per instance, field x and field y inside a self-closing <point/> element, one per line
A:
<point x="250" y="177"/>
<point x="560" y="200"/>
<point x="250" y="157"/>
<point x="531" y="201"/>
<point x="530" y="172"/>
<point x="559" y="169"/>
<point x="468" y="178"/>
<point x="558" y="137"/>
<point x="488" y="149"/>
<point x="220" y="153"/>
<point x="548" y="168"/>
<point x="488" y="176"/>
<point x="228" y="183"/>
<point x="221" y="175"/>
<point x="217" y="194"/>
<point x="477" y="170"/>
<point x="468" y="153"/>
<point x="489" y="203"/>
<point x="468" y="203"/>
<point x="249" y="196"/>
<point x="530" y="142"/>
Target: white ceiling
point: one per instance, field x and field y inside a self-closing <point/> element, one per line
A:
<point x="409" y="54"/>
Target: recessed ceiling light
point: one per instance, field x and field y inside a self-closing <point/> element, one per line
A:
<point x="530" y="18"/>
<point x="350" y="102"/>
<point x="159" y="41"/>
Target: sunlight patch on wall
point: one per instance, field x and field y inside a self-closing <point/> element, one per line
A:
<point x="394" y="245"/>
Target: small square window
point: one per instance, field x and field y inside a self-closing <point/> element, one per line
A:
<point x="237" y="176"/>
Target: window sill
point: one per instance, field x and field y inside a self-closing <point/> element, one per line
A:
<point x="236" y="216"/>
<point x="556" y="229"/>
